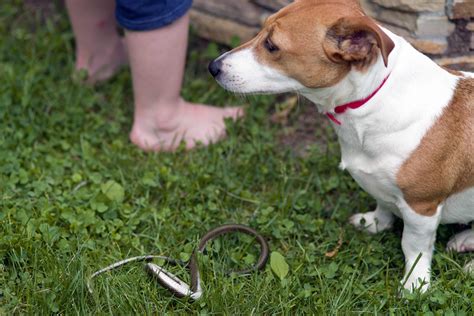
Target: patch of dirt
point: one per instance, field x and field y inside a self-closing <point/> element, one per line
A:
<point x="304" y="127"/>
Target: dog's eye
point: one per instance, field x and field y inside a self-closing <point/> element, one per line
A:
<point x="269" y="46"/>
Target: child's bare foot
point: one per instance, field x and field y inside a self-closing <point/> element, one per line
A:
<point x="191" y="123"/>
<point x="102" y="65"/>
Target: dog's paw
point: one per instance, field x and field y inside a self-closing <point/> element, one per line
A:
<point x="369" y="222"/>
<point x="415" y="283"/>
<point x="462" y="242"/>
<point x="417" y="275"/>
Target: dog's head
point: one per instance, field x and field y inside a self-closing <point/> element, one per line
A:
<point x="308" y="44"/>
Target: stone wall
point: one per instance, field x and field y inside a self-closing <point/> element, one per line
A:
<point x="443" y="29"/>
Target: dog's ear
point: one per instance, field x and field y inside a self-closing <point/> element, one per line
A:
<point x="352" y="39"/>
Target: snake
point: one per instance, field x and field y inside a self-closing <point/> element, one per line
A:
<point x="177" y="286"/>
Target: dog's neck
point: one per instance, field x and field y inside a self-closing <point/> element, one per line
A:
<point x="415" y="93"/>
<point x="355" y="86"/>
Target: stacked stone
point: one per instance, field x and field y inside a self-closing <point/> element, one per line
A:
<point x="224" y="20"/>
<point x="443" y="29"/>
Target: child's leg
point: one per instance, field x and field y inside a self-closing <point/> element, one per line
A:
<point x="162" y="119"/>
<point x="99" y="48"/>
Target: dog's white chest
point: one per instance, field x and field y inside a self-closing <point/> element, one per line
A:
<point x="375" y="173"/>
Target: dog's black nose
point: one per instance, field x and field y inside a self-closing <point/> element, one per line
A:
<point x="215" y="67"/>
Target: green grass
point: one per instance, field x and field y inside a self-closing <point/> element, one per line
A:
<point x="61" y="143"/>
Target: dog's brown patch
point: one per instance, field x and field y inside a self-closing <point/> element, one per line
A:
<point x="443" y="164"/>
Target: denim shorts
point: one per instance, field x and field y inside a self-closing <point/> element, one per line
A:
<point x="144" y="15"/>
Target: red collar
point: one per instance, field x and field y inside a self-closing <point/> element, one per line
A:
<point x="353" y="105"/>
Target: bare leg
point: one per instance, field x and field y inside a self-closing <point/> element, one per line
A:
<point x="162" y="119"/>
<point x="99" y="49"/>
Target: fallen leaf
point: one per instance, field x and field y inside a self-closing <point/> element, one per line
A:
<point x="335" y="251"/>
<point x="279" y="265"/>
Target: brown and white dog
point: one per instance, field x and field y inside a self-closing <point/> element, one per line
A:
<point x="405" y="125"/>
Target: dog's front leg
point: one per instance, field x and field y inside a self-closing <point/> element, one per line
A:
<point x="419" y="235"/>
